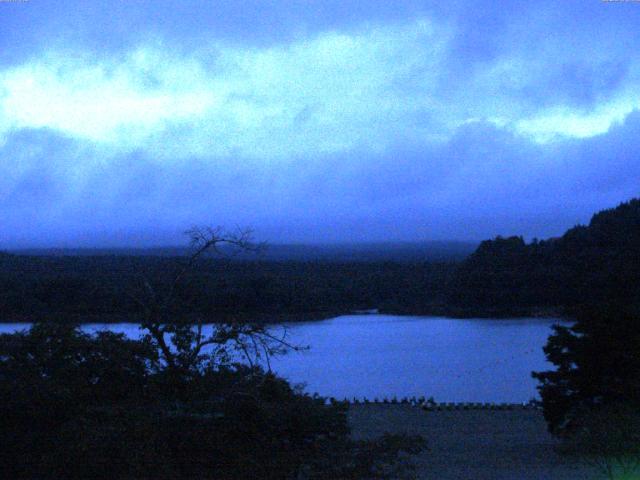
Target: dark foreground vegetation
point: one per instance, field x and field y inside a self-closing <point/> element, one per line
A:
<point x="77" y="406"/>
<point x="596" y="263"/>
<point x="178" y="403"/>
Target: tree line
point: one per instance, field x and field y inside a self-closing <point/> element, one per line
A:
<point x="98" y="287"/>
<point x="589" y="265"/>
<point x="596" y="263"/>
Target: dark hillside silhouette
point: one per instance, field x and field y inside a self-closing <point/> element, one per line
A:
<point x="589" y="264"/>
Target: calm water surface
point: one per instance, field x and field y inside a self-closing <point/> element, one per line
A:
<point x="475" y="360"/>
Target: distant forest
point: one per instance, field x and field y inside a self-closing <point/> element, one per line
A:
<point x="592" y="264"/>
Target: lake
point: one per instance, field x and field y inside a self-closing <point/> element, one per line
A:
<point x="453" y="360"/>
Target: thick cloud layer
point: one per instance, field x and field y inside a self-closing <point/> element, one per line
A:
<point x="125" y="123"/>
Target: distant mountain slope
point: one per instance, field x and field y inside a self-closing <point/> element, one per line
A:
<point x="358" y="252"/>
<point x="105" y="288"/>
<point x="590" y="264"/>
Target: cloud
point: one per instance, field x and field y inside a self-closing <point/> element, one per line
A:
<point x="454" y="120"/>
<point x="482" y="182"/>
<point x="325" y="94"/>
<point x="331" y="92"/>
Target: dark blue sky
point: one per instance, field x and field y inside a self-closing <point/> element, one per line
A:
<point x="126" y="122"/>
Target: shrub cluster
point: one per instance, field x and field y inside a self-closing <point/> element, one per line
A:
<point x="74" y="405"/>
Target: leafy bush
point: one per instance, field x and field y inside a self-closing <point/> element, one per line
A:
<point x="79" y="406"/>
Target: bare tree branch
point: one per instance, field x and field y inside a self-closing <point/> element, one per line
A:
<point x="186" y="343"/>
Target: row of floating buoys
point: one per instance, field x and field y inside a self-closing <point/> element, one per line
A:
<point x="431" y="405"/>
<point x="414" y="401"/>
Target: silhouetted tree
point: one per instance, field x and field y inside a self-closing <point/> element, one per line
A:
<point x="597" y="364"/>
<point x="77" y="406"/>
<point x="181" y="341"/>
<point x="176" y="404"/>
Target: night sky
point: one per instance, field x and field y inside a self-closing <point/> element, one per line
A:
<point x="127" y="122"/>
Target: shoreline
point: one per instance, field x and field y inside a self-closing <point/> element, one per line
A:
<point x="296" y="317"/>
<point x="473" y="444"/>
